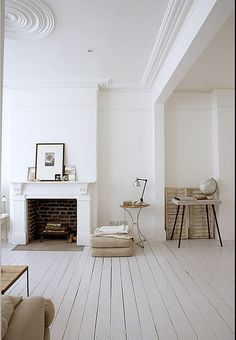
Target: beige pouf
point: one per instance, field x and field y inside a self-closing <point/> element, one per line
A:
<point x="112" y="246"/>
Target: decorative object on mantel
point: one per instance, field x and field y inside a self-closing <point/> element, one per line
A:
<point x="31" y="174"/>
<point x="70" y="173"/>
<point x="49" y="161"/>
<point x="138" y="184"/>
<point x="65" y="177"/>
<point x="57" y="177"/>
<point x="207" y="187"/>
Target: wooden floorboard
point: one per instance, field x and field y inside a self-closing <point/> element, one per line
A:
<point x="161" y="293"/>
<point x="118" y="325"/>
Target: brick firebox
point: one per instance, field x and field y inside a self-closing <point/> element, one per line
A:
<point x="43" y="211"/>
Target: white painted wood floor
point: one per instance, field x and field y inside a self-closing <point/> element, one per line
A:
<point x="160" y="293"/>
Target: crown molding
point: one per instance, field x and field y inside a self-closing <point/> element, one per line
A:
<point x="27" y="20"/>
<point x="103" y="85"/>
<point x="209" y="89"/>
<point x="125" y="88"/>
<point x="175" y="15"/>
<point x="56" y="83"/>
<point x="203" y="90"/>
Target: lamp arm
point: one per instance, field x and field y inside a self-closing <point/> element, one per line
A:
<point x="141" y="199"/>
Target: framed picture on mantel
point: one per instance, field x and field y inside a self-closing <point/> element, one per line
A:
<point x="49" y="161"/>
<point x="70" y="173"/>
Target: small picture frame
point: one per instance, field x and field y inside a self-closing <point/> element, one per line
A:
<point x="66" y="177"/>
<point x="31" y="174"/>
<point x="70" y="171"/>
<point x="49" y="161"/>
<point x="57" y="177"/>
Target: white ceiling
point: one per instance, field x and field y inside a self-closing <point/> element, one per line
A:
<point x="122" y="34"/>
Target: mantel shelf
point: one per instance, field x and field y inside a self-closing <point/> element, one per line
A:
<point x="53" y="182"/>
<point x="23" y="187"/>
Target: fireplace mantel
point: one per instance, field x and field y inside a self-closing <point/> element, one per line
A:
<point x="19" y="187"/>
<point x="21" y="191"/>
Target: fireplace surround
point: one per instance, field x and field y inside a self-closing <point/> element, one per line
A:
<point x="21" y="192"/>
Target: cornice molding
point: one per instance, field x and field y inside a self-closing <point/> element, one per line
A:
<point x="175" y="15"/>
<point x="125" y="88"/>
<point x="203" y="90"/>
<point x="56" y="83"/>
<point x="27" y="20"/>
<point x="102" y="85"/>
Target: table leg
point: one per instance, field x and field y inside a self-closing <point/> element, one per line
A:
<point x="208" y="225"/>
<point x="6" y="228"/>
<point x="132" y="220"/>
<point x="217" y="226"/>
<point x="140" y="242"/>
<point x="175" y="222"/>
<point x="182" y="221"/>
<point x="27" y="281"/>
<point x="139" y="232"/>
<point x="144" y="238"/>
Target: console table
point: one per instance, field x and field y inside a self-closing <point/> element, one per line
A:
<point x="135" y="219"/>
<point x="184" y="203"/>
<point x="10" y="274"/>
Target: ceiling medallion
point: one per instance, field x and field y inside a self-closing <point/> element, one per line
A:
<point x="27" y="20"/>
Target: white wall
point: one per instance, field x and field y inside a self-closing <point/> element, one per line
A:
<point x="44" y="115"/>
<point x="65" y="115"/>
<point x="159" y="170"/>
<point x="125" y="151"/>
<point x="199" y="143"/>
<point x="188" y="139"/>
<point x="125" y="139"/>
<point x="5" y="166"/>
<point x="224" y="114"/>
<point x="1" y="90"/>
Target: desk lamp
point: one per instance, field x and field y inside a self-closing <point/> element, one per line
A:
<point x="138" y="184"/>
<point x="4" y="203"/>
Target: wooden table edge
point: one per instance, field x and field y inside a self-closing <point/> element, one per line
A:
<point x="25" y="269"/>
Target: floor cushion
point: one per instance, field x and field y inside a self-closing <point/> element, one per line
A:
<point x="112" y="245"/>
<point x="110" y="252"/>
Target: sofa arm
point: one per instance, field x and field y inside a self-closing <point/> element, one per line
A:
<point x="49" y="312"/>
<point x="28" y="320"/>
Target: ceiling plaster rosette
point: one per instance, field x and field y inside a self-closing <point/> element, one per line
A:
<point x="27" y="20"/>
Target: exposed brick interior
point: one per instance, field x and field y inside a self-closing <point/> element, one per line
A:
<point x="32" y="219"/>
<point x="43" y="211"/>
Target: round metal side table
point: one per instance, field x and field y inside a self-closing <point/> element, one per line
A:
<point x="135" y="219"/>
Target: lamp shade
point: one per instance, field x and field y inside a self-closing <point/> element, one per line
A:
<point x="137" y="183"/>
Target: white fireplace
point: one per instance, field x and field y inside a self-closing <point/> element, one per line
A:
<point x="22" y="191"/>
